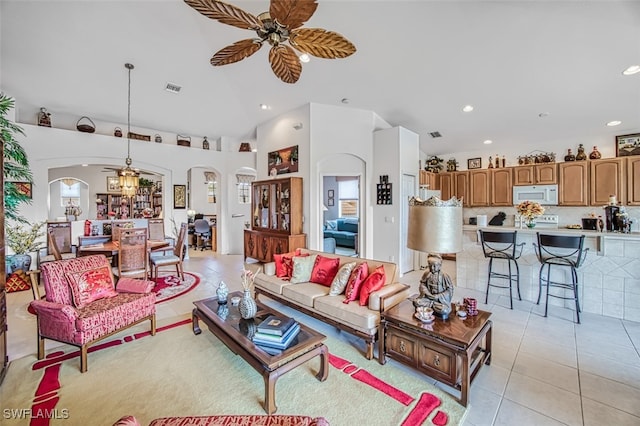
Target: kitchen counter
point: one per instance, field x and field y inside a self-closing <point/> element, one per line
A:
<point x="609" y="279"/>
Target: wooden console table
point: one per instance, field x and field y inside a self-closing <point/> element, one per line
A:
<point x="449" y="351"/>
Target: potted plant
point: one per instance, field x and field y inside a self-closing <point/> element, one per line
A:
<point x="23" y="239"/>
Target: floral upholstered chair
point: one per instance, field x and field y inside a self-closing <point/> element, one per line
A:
<point x="82" y="305"/>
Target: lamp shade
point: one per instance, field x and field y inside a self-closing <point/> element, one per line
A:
<point x="435" y="226"/>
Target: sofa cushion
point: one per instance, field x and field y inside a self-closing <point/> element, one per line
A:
<point x="56" y="285"/>
<point x="374" y="282"/>
<point x="339" y="282"/>
<point x="359" y="317"/>
<point x="90" y="285"/>
<point x="331" y="225"/>
<point x="271" y="283"/>
<point x="282" y="270"/>
<point x="358" y="275"/>
<point x="302" y="267"/>
<point x="349" y="224"/>
<point x="324" y="270"/>
<point x="304" y="293"/>
<point x="134" y="285"/>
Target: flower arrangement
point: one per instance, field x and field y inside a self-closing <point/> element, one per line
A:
<point x="23" y="240"/>
<point x="530" y="209"/>
<point x="248" y="277"/>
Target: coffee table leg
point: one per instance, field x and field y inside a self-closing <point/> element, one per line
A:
<point x="324" y="364"/>
<point x="270" y="392"/>
<point x="487" y="344"/>
<point x="195" y="325"/>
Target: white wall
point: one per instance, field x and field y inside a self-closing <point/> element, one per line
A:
<point x="51" y="148"/>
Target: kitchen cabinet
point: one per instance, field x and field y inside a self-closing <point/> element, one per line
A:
<point x="573" y="183"/>
<point x="479" y="188"/>
<point x="607" y="178"/>
<point x="454" y="184"/>
<point x="276" y="224"/>
<point x="501" y="187"/>
<point x="633" y="180"/>
<point x="535" y="174"/>
<point x="428" y="179"/>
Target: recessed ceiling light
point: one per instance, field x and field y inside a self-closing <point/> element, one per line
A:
<point x="633" y="69"/>
<point x="467" y="108"/>
<point x="488" y="142"/>
<point x="304" y="58"/>
<point x="85" y="165"/>
<point x="254" y="150"/>
<point x="614" y="123"/>
<point x="264" y="106"/>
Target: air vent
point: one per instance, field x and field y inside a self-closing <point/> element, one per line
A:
<point x="435" y="134"/>
<point x="173" y="88"/>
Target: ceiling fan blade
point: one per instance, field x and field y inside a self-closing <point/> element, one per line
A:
<point x="235" y="52"/>
<point x="292" y="14"/>
<point x="285" y="63"/>
<point x="321" y="43"/>
<point x="225" y="13"/>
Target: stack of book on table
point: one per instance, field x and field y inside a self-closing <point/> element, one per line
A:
<point x="276" y="333"/>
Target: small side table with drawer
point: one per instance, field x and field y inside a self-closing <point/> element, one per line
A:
<point x="450" y="351"/>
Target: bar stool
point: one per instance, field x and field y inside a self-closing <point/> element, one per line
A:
<point x="560" y="251"/>
<point x="502" y="245"/>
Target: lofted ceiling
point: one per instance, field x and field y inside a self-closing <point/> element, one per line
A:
<point x="417" y="64"/>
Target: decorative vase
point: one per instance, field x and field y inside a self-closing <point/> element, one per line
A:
<point x="222" y="292"/>
<point x="248" y="308"/>
<point x="14" y="262"/>
<point x="581" y="156"/>
<point x="569" y="156"/>
<point x="595" y="154"/>
<point x="530" y="222"/>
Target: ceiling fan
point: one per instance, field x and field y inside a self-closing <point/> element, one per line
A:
<point x="279" y="25"/>
<point x="117" y="169"/>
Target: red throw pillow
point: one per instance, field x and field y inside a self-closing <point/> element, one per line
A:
<point x="357" y="277"/>
<point x="374" y="282"/>
<point x="281" y="267"/>
<point x="93" y="284"/>
<point x="287" y="261"/>
<point x="324" y="270"/>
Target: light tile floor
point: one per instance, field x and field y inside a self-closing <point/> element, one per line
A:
<point x="544" y="371"/>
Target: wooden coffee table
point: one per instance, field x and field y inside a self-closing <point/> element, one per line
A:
<point x="235" y="333"/>
<point x="449" y="351"/>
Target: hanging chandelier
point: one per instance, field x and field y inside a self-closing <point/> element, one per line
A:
<point x="128" y="177"/>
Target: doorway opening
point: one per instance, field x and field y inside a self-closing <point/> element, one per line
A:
<point x="341" y="211"/>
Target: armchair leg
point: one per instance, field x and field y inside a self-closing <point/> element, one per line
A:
<point x="40" y="347"/>
<point x="153" y="324"/>
<point x="83" y="358"/>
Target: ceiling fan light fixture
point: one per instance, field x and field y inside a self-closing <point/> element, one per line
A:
<point x="614" y="123"/>
<point x="467" y="108"/>
<point x="488" y="142"/>
<point x="304" y="58"/>
<point x="264" y="107"/>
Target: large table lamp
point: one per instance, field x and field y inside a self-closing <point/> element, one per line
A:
<point x="435" y="227"/>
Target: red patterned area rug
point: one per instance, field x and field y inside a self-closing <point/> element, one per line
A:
<point x="197" y="375"/>
<point x="169" y="286"/>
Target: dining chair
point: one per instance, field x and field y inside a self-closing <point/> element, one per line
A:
<point x="132" y="254"/>
<point x="159" y="259"/>
<point x="58" y="232"/>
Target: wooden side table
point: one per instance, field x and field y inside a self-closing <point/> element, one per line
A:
<point x="450" y="351"/>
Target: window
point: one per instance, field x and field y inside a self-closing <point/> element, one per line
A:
<point x="348" y="196"/>
<point x="244" y="188"/>
<point x="211" y="192"/>
<point x="69" y="192"/>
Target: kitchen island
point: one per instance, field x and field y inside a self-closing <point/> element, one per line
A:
<point x="609" y="279"/>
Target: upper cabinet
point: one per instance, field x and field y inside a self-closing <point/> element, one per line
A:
<point x="535" y="174"/>
<point x="428" y="179"/>
<point x="501" y="187"/>
<point x="633" y="180"/>
<point x="454" y="184"/>
<point x="445" y="183"/>
<point x="573" y="183"/>
<point x="607" y="178"/>
<point x="479" y="188"/>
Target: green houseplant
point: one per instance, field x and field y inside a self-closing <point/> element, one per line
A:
<point x="23" y="238"/>
<point x="16" y="165"/>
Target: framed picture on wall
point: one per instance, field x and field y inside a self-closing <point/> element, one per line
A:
<point x="330" y="202"/>
<point x="474" y="163"/>
<point x="179" y="196"/>
<point x="628" y="145"/>
<point x="113" y="184"/>
<point x="24" y="188"/>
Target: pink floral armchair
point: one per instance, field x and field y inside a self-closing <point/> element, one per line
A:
<point x="84" y="306"/>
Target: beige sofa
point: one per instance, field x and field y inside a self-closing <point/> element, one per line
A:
<point x="314" y="299"/>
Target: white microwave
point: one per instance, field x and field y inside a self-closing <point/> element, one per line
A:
<point x="543" y="194"/>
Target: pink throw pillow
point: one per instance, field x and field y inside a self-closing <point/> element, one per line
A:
<point x="282" y="270"/>
<point x="92" y="284"/>
<point x="358" y="275"/>
<point x="325" y="270"/>
<point x="374" y="282"/>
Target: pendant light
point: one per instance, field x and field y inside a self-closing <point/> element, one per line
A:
<point x="128" y="177"/>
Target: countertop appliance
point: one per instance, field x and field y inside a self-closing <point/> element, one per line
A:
<point x="590" y="223"/>
<point x="544" y="194"/>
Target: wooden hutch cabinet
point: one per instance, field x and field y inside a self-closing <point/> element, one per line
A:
<point x="144" y="198"/>
<point x="276" y="219"/>
<point x="573" y="183"/>
<point x="607" y="178"/>
<point x="536" y="174"/>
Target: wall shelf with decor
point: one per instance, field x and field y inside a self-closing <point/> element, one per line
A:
<point x="384" y="193"/>
<point x="143" y="199"/>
